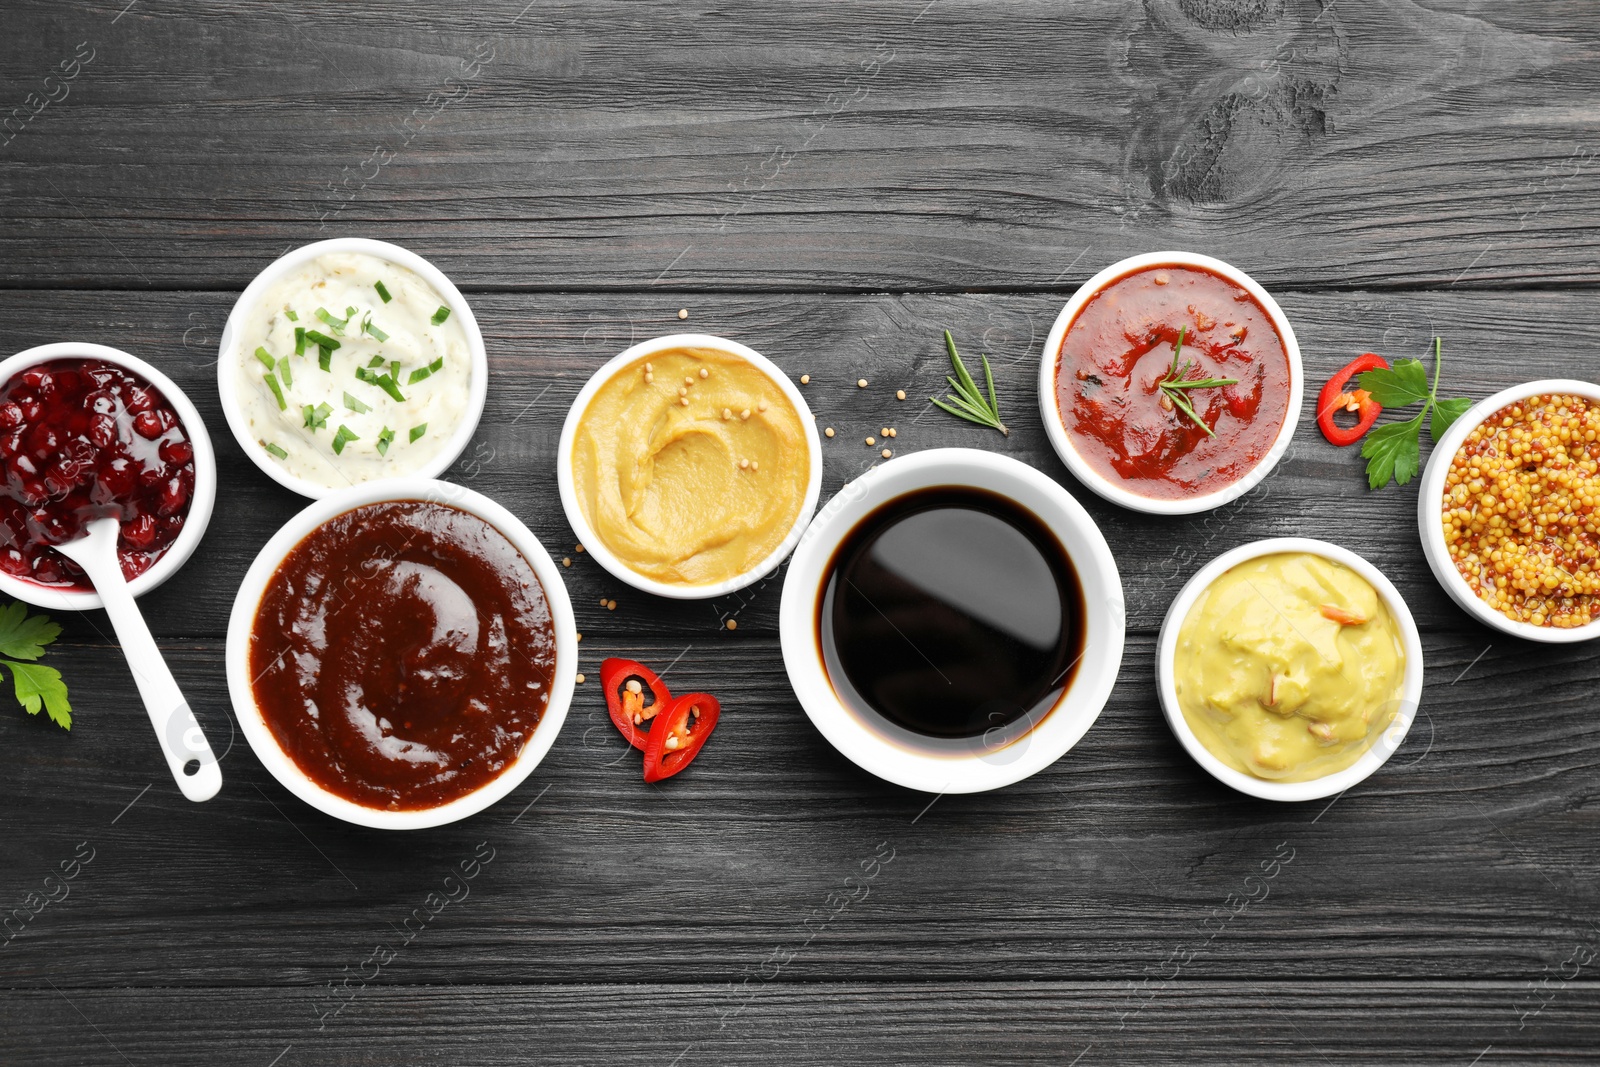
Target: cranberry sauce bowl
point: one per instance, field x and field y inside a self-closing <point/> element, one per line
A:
<point x="952" y="621"/>
<point x="89" y="432"/>
<point x="401" y="654"/>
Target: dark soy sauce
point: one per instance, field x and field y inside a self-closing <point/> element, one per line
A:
<point x="952" y="612"/>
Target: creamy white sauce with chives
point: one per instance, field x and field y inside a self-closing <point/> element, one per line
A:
<point x="359" y="387"/>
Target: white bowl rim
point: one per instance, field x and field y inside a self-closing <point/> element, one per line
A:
<point x="1329" y="784"/>
<point x="266" y="563"/>
<point x="1430" y="498"/>
<point x="1056" y="427"/>
<point x="1091" y="685"/>
<point x="201" y="502"/>
<point x="596" y="547"/>
<point x="228" y="361"/>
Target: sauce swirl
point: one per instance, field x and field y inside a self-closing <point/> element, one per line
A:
<point x="403" y="654"/>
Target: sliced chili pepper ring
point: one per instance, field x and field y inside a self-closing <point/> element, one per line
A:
<point x="1336" y="397"/>
<point x="627" y="685"/>
<point x="679" y="734"/>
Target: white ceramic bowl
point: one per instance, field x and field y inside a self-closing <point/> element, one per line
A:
<point x="1430" y="499"/>
<point x="200" y="504"/>
<point x="591" y="541"/>
<point x="248" y="601"/>
<point x="228" y="360"/>
<point x="1382" y="748"/>
<point x="1113" y="490"/>
<point x="969" y="765"/>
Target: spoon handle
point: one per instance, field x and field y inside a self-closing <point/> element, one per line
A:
<point x="182" y="741"/>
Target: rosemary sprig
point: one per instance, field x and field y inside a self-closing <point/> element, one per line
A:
<point x="967" y="402"/>
<point x="1177" y="380"/>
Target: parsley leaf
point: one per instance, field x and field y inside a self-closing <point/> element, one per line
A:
<point x="1395" y="450"/>
<point x="1445" y="412"/>
<point x="1404" y="383"/>
<point x="1392" y="452"/>
<point x="23" y="636"/>
<point x="35" y="684"/>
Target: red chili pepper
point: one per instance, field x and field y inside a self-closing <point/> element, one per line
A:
<point x="1335" y="397"/>
<point x="624" y="704"/>
<point x="684" y="726"/>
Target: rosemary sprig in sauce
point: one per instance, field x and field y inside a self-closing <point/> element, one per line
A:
<point x="1175" y="384"/>
<point x="967" y="402"/>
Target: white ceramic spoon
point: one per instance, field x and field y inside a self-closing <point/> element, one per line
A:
<point x="182" y="740"/>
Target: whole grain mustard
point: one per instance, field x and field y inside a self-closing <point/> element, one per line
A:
<point x="1521" y="511"/>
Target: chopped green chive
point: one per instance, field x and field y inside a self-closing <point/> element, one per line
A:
<point x="392" y="387"/>
<point x="284" y="372"/>
<point x="327" y="316"/>
<point x="418" y="431"/>
<point x="385" y="438"/>
<point x="342" y="438"/>
<point x="349" y="312"/>
<point x="277" y="390"/>
<point x="265" y="357"/>
<point x="383" y="293"/>
<point x="320" y="339"/>
<point x="369" y="327"/>
<point x="394" y="369"/>
<point x="316" y="417"/>
<point x="299" y="340"/>
<point x="274" y="449"/>
<point x="440" y="315"/>
<point x="354" y="404"/>
<point x="424" y="372"/>
<point x="293" y="317"/>
<point x="375" y="361"/>
<point x="385" y="382"/>
<point x="325" y="359"/>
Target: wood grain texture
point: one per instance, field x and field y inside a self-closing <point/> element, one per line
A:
<point x="1470" y="856"/>
<point x="993" y="1023"/>
<point x="833" y="185"/>
<point x="857" y="145"/>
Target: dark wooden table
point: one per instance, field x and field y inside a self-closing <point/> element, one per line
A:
<point x="832" y="184"/>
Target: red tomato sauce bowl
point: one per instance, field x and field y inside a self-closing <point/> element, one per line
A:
<point x="1170" y="383"/>
<point x="87" y="432"/>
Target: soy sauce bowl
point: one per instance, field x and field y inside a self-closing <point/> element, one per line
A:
<point x="968" y="765"/>
<point x="247" y="603"/>
<point x="201" y="501"/>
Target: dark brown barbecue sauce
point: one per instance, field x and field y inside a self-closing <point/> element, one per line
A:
<point x="952" y="612"/>
<point x="402" y="654"/>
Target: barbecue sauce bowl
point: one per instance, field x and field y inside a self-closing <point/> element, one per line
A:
<point x="402" y="654"/>
<point x="952" y="621"/>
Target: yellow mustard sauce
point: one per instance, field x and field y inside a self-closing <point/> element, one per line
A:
<point x="1289" y="667"/>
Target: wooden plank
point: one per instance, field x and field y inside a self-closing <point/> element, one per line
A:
<point x="543" y="347"/>
<point x="854" y="145"/>
<point x="1471" y="855"/>
<point x="993" y="1023"/>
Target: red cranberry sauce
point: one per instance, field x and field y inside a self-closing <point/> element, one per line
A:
<point x="81" y="440"/>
